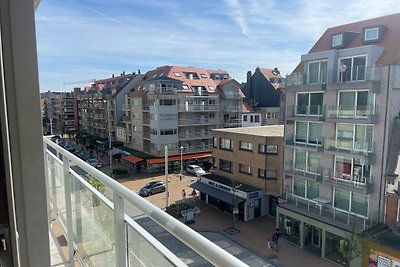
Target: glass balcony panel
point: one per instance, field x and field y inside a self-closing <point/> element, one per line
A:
<point x="93" y="223"/>
<point x="56" y="188"/>
<point x="142" y="253"/>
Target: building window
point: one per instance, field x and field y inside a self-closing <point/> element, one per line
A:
<point x="355" y="137"/>
<point x="256" y="118"/>
<point x="352" y="104"/>
<point x="168" y="131"/>
<point x="245" y="118"/>
<point x="371" y="34"/>
<point x="307" y="161"/>
<point x="305" y="188"/>
<point x="246" y="146"/>
<point x="244" y="168"/>
<point x="225" y="144"/>
<point x="309" y="104"/>
<point x="268" y="149"/>
<point x="267" y="174"/>
<point x="317" y="72"/>
<point x="167" y="102"/>
<point x="225" y="165"/>
<point x="308" y="133"/>
<point x="270" y="115"/>
<point x="215" y="142"/>
<point x="352" y="169"/>
<point x="177" y="74"/>
<point x="351" y="202"/>
<point x="211" y="102"/>
<point x="202" y="75"/>
<point x="337" y="40"/>
<point x="352" y="68"/>
<point x="251" y="118"/>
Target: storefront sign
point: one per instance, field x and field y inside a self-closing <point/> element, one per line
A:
<point x="219" y="186"/>
<point x="383" y="262"/>
<point x="253" y="195"/>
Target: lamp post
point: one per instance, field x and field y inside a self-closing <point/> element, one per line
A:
<point x="181" y="149"/>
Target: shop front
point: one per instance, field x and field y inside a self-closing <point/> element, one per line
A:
<point x="218" y="192"/>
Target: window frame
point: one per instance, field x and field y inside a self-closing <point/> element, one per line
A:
<point x="246" y="169"/>
<point x="334" y="37"/>
<point x="221" y="146"/>
<point x="226" y="169"/>
<point x="366" y="30"/>
<point x="246" y="146"/>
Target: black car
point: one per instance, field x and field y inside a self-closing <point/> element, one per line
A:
<point x="152" y="188"/>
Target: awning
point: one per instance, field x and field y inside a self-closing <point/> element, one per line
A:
<point x="132" y="159"/>
<point x="218" y="194"/>
<point x="178" y="158"/>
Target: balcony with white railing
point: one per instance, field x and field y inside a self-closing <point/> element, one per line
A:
<point x="308" y="172"/>
<point x="354" y="182"/>
<point x="198" y="107"/>
<point x="195" y="135"/>
<point x="305" y="112"/>
<point x="96" y="228"/>
<point x="352" y="114"/>
<point x="347" y="146"/>
<point x="296" y="141"/>
<point x="197" y="121"/>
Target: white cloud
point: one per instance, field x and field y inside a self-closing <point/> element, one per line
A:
<point x="236" y="13"/>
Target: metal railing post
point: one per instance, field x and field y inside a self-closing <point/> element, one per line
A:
<point x="68" y="211"/>
<point x="119" y="230"/>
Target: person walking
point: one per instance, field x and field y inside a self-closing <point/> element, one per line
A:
<point x="183" y="194"/>
<point x="275" y="239"/>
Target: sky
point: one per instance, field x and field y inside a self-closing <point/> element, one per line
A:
<point x="80" y="40"/>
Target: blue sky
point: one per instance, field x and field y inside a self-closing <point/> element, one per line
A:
<point x="92" y="39"/>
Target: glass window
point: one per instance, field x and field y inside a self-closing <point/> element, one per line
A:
<point x="309" y="132"/>
<point x="337" y="40"/>
<point x="359" y="204"/>
<point x="371" y="34"/>
<point x="309" y="103"/>
<point x="355" y="136"/>
<point x="317" y="72"/>
<point x="246" y="145"/>
<point x="352" y="69"/>
<point x="245" y="168"/>
<point x="299" y="188"/>
<point x="244" y="117"/>
<point x="342" y="199"/>
<point x="307" y="161"/>
<point x="225" y="165"/>
<point x="268" y="149"/>
<point x="215" y="142"/>
<point x="225" y="144"/>
<point x="312" y="190"/>
<point x="257" y="118"/>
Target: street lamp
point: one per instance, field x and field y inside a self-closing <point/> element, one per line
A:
<point x="181" y="149"/>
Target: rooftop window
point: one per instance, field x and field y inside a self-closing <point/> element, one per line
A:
<point x="337" y="40"/>
<point x="177" y="74"/>
<point x="191" y="75"/>
<point x="371" y="34"/>
<point x="203" y="75"/>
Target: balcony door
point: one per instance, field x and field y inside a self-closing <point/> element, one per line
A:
<point x="355" y="104"/>
<point x="354" y="69"/>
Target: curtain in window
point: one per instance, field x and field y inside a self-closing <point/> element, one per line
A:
<point x="343" y="167"/>
<point x="359" y="204"/>
<point x="301" y="132"/>
<point x="315" y="133"/>
<point x="342" y="199"/>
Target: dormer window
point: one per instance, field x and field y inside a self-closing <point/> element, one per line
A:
<point x="337" y="40"/>
<point x="371" y="34"/>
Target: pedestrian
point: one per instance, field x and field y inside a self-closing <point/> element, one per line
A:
<point x="194" y="193"/>
<point x="183" y="194"/>
<point x="275" y="239"/>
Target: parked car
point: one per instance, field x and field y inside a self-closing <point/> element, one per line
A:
<point x="152" y="188"/>
<point x="95" y="163"/>
<point x="195" y="170"/>
<point x="54" y="138"/>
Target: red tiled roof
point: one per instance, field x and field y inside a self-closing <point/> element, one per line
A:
<point x="390" y="41"/>
<point x="178" y="158"/>
<point x="268" y="74"/>
<point x="132" y="159"/>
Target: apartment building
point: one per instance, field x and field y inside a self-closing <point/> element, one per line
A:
<point x="100" y="106"/>
<point x="249" y="165"/>
<point x="59" y="112"/>
<point x="341" y="136"/>
<point x="178" y="107"/>
<point x="263" y="90"/>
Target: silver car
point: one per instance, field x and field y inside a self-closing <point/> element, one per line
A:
<point x="152" y="188"/>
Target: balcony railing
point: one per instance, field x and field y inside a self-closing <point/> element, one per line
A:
<point x="195" y="135"/>
<point x="352" y="74"/>
<point x="96" y="228"/>
<point x="323" y="210"/>
<point x="231" y="108"/>
<point x="300" y="141"/>
<point x="197" y="121"/>
<point x="366" y="112"/>
<point x="306" y="111"/>
<point x="198" y="107"/>
<point x="146" y="136"/>
<point x="349" y="146"/>
<point x="313" y="173"/>
<point x="348" y="181"/>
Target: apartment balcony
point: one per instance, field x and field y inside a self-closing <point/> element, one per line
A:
<point x="351" y="182"/>
<point x="352" y="114"/>
<point x="232" y="122"/>
<point x="194" y="135"/>
<point x="198" y="121"/>
<point x="309" y="173"/>
<point x="231" y="108"/>
<point x="305" y="112"/>
<point x="146" y="136"/>
<point x="198" y="107"/>
<point x="146" y="121"/>
<point x="126" y="107"/>
<point x="145" y="107"/>
<point x="347" y="147"/>
<point x="357" y="77"/>
<point x="96" y="228"/>
<point x="294" y="141"/>
<point x="321" y="209"/>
